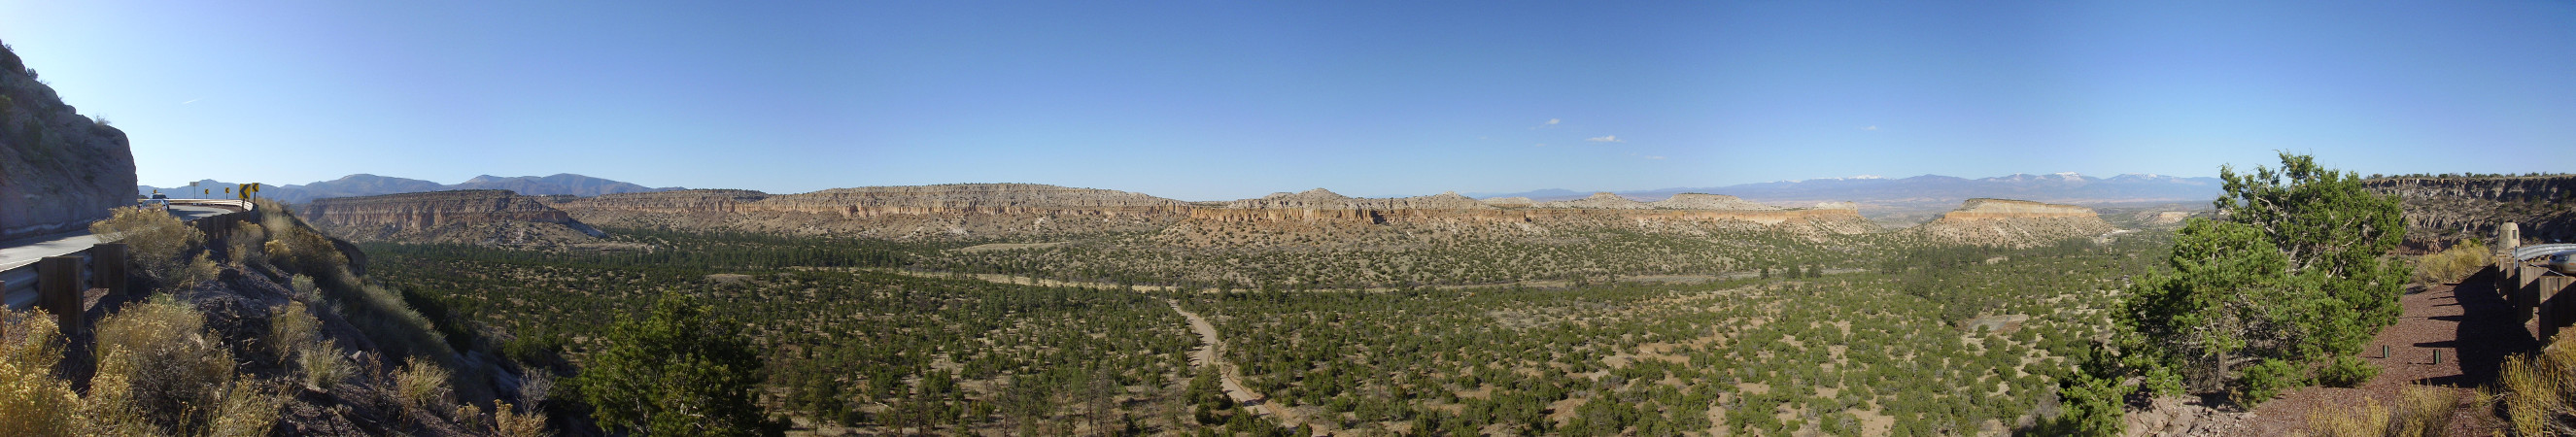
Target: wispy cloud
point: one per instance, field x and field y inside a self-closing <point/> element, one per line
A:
<point x="1872" y="127"/>
<point x="1551" y="123"/>
<point x="190" y="101"/>
<point x="1606" y="139"/>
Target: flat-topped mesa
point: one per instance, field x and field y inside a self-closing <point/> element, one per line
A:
<point x="1989" y="209"/>
<point x="1326" y="199"/>
<point x="494" y="217"/>
<point x="1510" y="202"/>
<point x="904" y="212"/>
<point x="969" y="199"/>
<point x="1322" y="207"/>
<point x="1601" y="200"/>
<point x="662" y="202"/>
<point x="1710" y="201"/>
<point x="2015" y="223"/>
<point x="431" y="209"/>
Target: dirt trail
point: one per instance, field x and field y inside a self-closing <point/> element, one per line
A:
<point x="1211" y="352"/>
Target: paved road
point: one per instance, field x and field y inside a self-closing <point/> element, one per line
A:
<point x="28" y="250"/>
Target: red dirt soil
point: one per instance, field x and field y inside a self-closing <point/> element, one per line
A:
<point x="2468" y="323"/>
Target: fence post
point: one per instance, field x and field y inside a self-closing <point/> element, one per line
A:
<point x="58" y="290"/>
<point x="2552" y="309"/>
<point x="107" y="266"/>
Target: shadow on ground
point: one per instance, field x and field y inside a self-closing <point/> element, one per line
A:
<point x="2489" y="331"/>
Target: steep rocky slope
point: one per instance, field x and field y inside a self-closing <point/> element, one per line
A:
<point x="58" y="170"/>
<point x="2017" y="223"/>
<point x="493" y="217"/>
<point x="2441" y="211"/>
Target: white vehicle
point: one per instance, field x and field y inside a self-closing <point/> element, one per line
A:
<point x="159" y="199"/>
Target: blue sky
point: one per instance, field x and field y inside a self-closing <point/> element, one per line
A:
<point x="1221" y="100"/>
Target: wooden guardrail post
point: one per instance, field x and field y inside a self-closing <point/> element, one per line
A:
<point x="107" y="266"/>
<point x="2525" y="295"/>
<point x="2555" y="303"/>
<point x="58" y="290"/>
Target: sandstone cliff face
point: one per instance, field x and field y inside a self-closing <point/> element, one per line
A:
<point x="2445" y="211"/>
<point x="2017" y="223"/>
<point x="932" y="212"/>
<point x="1324" y="208"/>
<point x="466" y="216"/>
<point x="58" y="170"/>
<point x="1714" y="201"/>
<point x="1602" y="200"/>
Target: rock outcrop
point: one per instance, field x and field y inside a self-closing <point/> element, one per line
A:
<point x="2441" y="211"/>
<point x="1319" y="207"/>
<point x="1717" y="201"/>
<point x="2016" y="223"/>
<point x="952" y="211"/>
<point x="58" y="170"/>
<point x="496" y="217"/>
<point x="1601" y="200"/>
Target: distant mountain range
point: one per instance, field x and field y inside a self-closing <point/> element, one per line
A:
<point x="369" y="185"/>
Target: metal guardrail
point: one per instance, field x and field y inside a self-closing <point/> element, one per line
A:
<point x="18" y="284"/>
<point x="2526" y="253"/>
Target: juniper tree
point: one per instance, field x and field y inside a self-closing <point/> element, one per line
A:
<point x="2292" y="274"/>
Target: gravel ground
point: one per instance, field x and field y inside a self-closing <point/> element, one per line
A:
<point x="2468" y="323"/>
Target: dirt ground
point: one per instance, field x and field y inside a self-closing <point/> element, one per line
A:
<point x="2469" y="324"/>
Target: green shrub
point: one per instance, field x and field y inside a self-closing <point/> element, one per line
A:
<point x="2264" y="381"/>
<point x="680" y="371"/>
<point x="2346" y="371"/>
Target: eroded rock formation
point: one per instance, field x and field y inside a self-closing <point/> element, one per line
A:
<point x="951" y="211"/>
<point x="58" y="170"/>
<point x="467" y="216"/>
<point x="2018" y="223"/>
<point x="2444" y="211"/>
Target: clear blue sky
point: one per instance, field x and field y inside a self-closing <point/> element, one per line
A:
<point x="1219" y="100"/>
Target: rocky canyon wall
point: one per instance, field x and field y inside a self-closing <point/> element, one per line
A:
<point x="2441" y="211"/>
<point x="464" y="216"/>
<point x="58" y="170"/>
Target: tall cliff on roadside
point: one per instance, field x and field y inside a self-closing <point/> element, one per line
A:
<point x="493" y="217"/>
<point x="2441" y="211"/>
<point x="58" y="170"/>
<point x="2003" y="222"/>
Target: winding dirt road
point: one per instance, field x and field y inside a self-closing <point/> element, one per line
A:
<point x="1211" y="352"/>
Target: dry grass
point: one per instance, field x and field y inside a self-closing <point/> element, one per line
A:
<point x="507" y="422"/>
<point x="421" y="387"/>
<point x="2421" y="411"/>
<point x="160" y="243"/>
<point x="32" y="400"/>
<point x="2452" y="265"/>
<point x="249" y="409"/>
<point x="291" y="327"/>
<point x="246" y="242"/>
<point x="158" y="370"/>
<point x="2540" y="390"/>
